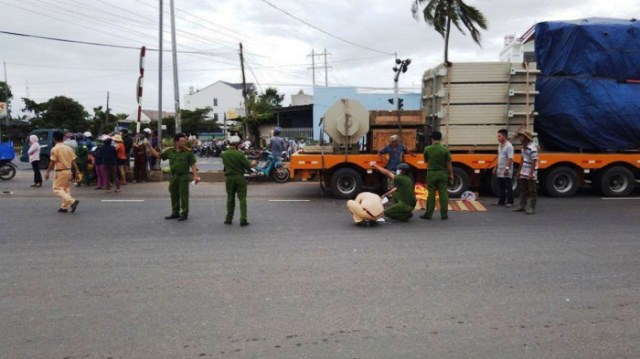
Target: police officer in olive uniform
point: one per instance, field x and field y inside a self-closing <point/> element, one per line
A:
<point x="235" y="166"/>
<point x="439" y="170"/>
<point x="404" y="197"/>
<point x="180" y="159"/>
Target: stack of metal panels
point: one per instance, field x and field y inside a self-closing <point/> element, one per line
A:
<point x="470" y="102"/>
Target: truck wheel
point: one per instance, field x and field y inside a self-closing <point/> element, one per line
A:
<point x="561" y="182"/>
<point x="346" y="183"/>
<point x="617" y="181"/>
<point x="44" y="162"/>
<point x="460" y="183"/>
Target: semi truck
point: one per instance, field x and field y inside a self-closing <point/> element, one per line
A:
<point x="583" y="81"/>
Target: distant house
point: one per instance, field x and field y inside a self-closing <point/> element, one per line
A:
<point x="147" y="116"/>
<point x="519" y="50"/>
<point x="224" y="98"/>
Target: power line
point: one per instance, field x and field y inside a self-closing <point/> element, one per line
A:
<point x="108" y="45"/>
<point x="324" y="31"/>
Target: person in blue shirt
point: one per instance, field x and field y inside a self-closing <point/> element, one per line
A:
<point x="395" y="151"/>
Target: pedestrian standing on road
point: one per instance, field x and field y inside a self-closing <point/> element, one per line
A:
<point x="404" y="197"/>
<point x="366" y="209"/>
<point x="82" y="159"/>
<point x="140" y="160"/>
<point x="235" y="166"/>
<point x="62" y="160"/>
<point x="110" y="162"/>
<point x="504" y="170"/>
<point x="395" y="151"/>
<point x="121" y="154"/>
<point x="34" y="159"/>
<point x="439" y="174"/>
<point x="180" y="160"/>
<point x="128" y="146"/>
<point x="527" y="175"/>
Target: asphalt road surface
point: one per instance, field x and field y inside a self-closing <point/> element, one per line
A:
<point x="115" y="280"/>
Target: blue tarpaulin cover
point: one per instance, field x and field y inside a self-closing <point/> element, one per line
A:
<point x="586" y="100"/>
<point x="587" y="114"/>
<point x="594" y="47"/>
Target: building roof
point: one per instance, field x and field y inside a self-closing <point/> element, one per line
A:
<point x="153" y="115"/>
<point x="294" y="108"/>
<point x="237" y="86"/>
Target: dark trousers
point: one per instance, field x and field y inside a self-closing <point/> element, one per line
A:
<point x="37" y="176"/>
<point x="140" y="171"/>
<point x="112" y="177"/>
<point x="505" y="190"/>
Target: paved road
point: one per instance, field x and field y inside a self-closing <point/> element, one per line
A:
<point x="116" y="280"/>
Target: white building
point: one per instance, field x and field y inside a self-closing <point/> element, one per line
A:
<point x="301" y="99"/>
<point x="223" y="98"/>
<point x="519" y="50"/>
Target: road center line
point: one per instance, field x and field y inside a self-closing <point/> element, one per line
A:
<point x="289" y="200"/>
<point x="122" y="200"/>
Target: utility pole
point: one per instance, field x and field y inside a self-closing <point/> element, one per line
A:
<point x="6" y="96"/>
<point x="313" y="67"/>
<point x="245" y="95"/>
<point x="176" y="90"/>
<point x="106" y="114"/>
<point x="326" y="71"/>
<point x="160" y="81"/>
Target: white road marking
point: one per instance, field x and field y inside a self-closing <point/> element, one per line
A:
<point x="289" y="200"/>
<point x="122" y="200"/>
<point x="619" y="198"/>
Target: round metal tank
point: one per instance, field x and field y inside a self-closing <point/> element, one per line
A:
<point x="346" y="121"/>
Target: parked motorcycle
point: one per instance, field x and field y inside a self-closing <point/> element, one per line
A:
<point x="272" y="168"/>
<point x="7" y="154"/>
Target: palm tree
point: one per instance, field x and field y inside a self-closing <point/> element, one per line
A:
<point x="440" y="14"/>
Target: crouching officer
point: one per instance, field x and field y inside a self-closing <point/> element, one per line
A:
<point x="180" y="159"/>
<point x="235" y="166"/>
<point x="404" y="197"/>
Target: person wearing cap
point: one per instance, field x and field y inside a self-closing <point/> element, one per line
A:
<point x="235" y="166"/>
<point x="278" y="144"/>
<point x="366" y="209"/>
<point x="527" y="174"/>
<point x="180" y="160"/>
<point x="395" y="151"/>
<point x="62" y="160"/>
<point x="121" y="153"/>
<point x="404" y="197"/>
<point x="439" y="174"/>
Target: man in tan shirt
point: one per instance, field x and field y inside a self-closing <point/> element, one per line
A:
<point x="366" y="208"/>
<point x="62" y="159"/>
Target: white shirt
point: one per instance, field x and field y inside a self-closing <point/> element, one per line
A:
<point x="505" y="153"/>
<point x="529" y="154"/>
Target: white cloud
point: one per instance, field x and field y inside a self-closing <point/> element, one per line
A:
<point x="277" y="45"/>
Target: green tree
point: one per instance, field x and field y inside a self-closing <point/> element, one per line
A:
<point x="3" y="97"/>
<point x="195" y="121"/>
<point x="441" y="13"/>
<point x="59" y="112"/>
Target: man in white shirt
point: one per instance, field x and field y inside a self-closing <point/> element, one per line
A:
<point x="504" y="170"/>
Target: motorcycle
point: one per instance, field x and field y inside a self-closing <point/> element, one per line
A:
<point x="7" y="154"/>
<point x="271" y="168"/>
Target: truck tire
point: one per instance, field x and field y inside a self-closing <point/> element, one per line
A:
<point x="617" y="181"/>
<point x="460" y="183"/>
<point x="281" y="175"/>
<point x="561" y="181"/>
<point x="44" y="162"/>
<point x="346" y="183"/>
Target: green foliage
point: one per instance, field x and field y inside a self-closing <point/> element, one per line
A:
<point x="59" y="112"/>
<point x="3" y="98"/>
<point x="195" y="121"/>
<point x="441" y="13"/>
